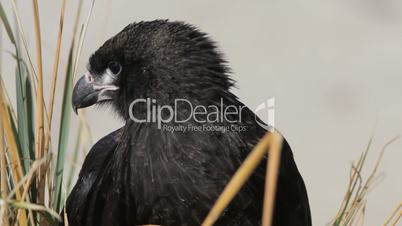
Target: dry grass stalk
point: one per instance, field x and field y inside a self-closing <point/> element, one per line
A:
<point x="54" y="82"/>
<point x="39" y="93"/>
<point x="16" y="168"/>
<point x="24" y="42"/>
<point x="271" y="179"/>
<point x="27" y="179"/>
<point x="21" y="183"/>
<point x="395" y="216"/>
<point x="3" y="178"/>
<point x="354" y="201"/>
<point x="240" y="177"/>
<point x="54" y="75"/>
<point x="39" y="121"/>
<point x="82" y="38"/>
<point x="397" y="219"/>
<point x="11" y="143"/>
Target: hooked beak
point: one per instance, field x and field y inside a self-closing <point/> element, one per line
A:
<point x="88" y="91"/>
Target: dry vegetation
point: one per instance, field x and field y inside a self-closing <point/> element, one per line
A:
<point x="32" y="186"/>
<point x="353" y="206"/>
<point x="33" y="189"/>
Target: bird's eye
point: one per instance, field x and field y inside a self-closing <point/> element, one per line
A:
<point x="114" y="67"/>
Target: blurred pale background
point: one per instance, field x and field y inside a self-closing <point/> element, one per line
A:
<point x="334" y="67"/>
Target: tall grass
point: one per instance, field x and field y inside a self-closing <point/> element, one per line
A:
<point x="353" y="207"/>
<point x="33" y="189"/>
<point x="32" y="186"/>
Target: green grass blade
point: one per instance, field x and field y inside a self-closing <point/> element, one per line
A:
<point x="23" y="133"/>
<point x="23" y="126"/>
<point x="22" y="84"/>
<point x="30" y="104"/>
<point x="25" y="106"/>
<point x="74" y="159"/>
<point x="63" y="133"/>
<point x="30" y="126"/>
<point x="66" y="111"/>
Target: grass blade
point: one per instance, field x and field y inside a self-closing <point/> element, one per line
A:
<point x="23" y="128"/>
<point x="63" y="133"/>
<point x="54" y="80"/>
<point x="52" y="216"/>
<point x="40" y="109"/>
<point x="3" y="179"/>
<point x="82" y="38"/>
<point x="6" y="24"/>
<point x="271" y="179"/>
<point x="56" y="63"/>
<point x="11" y="138"/>
<point x="39" y="131"/>
<point x="21" y="31"/>
<point x="74" y="159"/>
<point x="66" y="110"/>
<point x="393" y="214"/>
<point x="23" y="136"/>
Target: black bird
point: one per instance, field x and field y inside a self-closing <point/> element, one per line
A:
<point x="143" y="173"/>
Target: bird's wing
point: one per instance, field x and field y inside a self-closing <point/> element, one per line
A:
<point x="292" y="205"/>
<point x="97" y="158"/>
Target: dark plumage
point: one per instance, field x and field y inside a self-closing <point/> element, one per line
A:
<point x="141" y="174"/>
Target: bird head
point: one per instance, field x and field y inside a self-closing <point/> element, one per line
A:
<point x="158" y="59"/>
